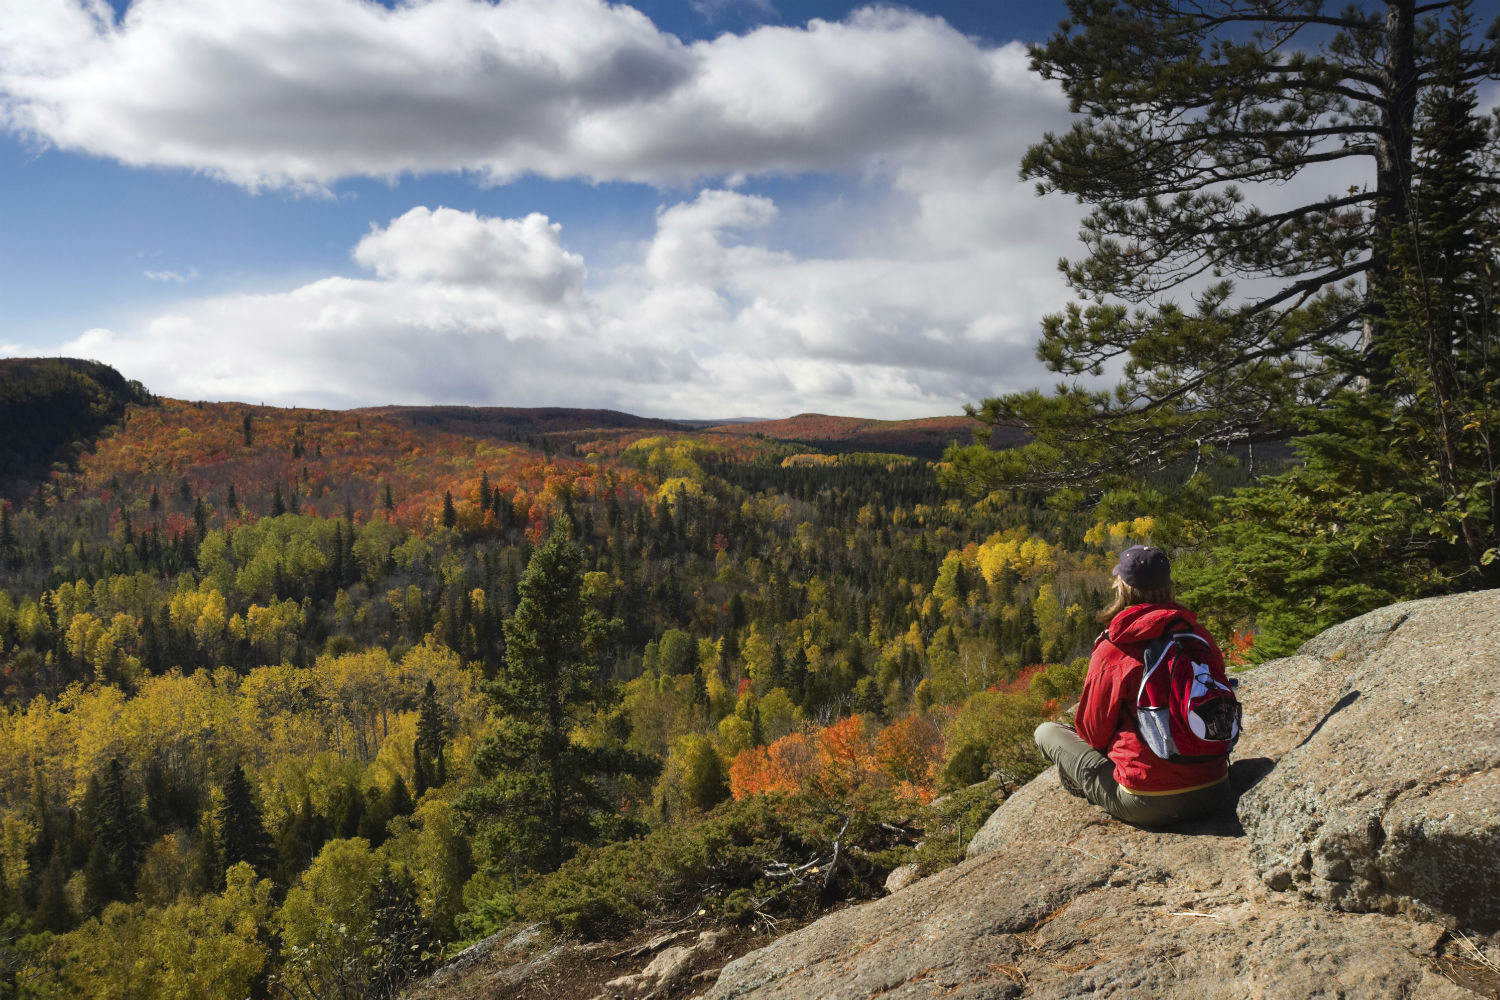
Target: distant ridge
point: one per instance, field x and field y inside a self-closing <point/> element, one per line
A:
<point x="492" y="421"/>
<point x="924" y="437"/>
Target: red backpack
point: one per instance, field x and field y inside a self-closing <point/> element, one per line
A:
<point x="1183" y="712"/>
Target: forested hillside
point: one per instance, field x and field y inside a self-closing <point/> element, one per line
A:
<point x="50" y="408"/>
<point x="273" y="672"/>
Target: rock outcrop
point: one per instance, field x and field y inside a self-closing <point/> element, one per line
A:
<point x="1362" y="860"/>
<point x="1391" y="802"/>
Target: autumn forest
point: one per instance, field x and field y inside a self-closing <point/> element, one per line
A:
<point x="283" y="678"/>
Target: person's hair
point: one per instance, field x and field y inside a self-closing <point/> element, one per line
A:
<point x="1127" y="596"/>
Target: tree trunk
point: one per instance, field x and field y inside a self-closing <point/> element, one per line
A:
<point x="1398" y="109"/>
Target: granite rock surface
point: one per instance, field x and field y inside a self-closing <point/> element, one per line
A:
<point x="1361" y="855"/>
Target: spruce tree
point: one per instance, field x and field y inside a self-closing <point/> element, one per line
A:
<point x="242" y="830"/>
<point x="206" y="870"/>
<point x="53" y="910"/>
<point x="432" y="736"/>
<point x="420" y="781"/>
<point x="545" y="794"/>
<point x="1441" y="329"/>
<point x="115" y="855"/>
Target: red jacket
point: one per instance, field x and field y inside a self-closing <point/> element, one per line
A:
<point x="1106" y="709"/>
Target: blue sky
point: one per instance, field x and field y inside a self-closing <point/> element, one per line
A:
<point x="700" y="209"/>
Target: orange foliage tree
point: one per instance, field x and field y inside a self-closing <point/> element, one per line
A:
<point x="910" y="753"/>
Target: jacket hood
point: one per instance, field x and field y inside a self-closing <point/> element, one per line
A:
<point x="1144" y="622"/>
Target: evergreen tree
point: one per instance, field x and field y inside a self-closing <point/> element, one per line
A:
<point x="420" y="781"/>
<point x="372" y="822"/>
<point x="450" y="513"/>
<point x="242" y="830"/>
<point x="337" y="569"/>
<point x="115" y="856"/>
<point x="397" y="800"/>
<point x="432" y="736"/>
<point x="53" y="910"/>
<point x="1396" y="493"/>
<point x="543" y="792"/>
<point x="1181" y="104"/>
<point x="278" y="504"/>
<point x="1441" y="329"/>
<point x="205" y="871"/>
<point x="347" y="812"/>
<point x="200" y="518"/>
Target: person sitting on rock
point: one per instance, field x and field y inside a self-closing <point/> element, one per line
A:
<point x="1104" y="759"/>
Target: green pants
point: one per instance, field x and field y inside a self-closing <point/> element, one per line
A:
<point x="1089" y="774"/>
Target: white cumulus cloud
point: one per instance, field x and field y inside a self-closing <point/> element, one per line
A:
<point x="523" y="257"/>
<point x="708" y="320"/>
<point x="301" y="93"/>
<point x="914" y="286"/>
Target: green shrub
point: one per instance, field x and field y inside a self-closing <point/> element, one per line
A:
<point x="734" y="864"/>
<point x="1061" y="682"/>
<point x="993" y="732"/>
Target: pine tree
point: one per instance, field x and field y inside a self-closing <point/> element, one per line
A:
<point x="278" y="504"/>
<point x="450" y="513"/>
<point x="543" y="792"/>
<point x="420" y="781"/>
<point x="1395" y="496"/>
<point x="347" y="811"/>
<point x="397" y="800"/>
<point x="1182" y="105"/>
